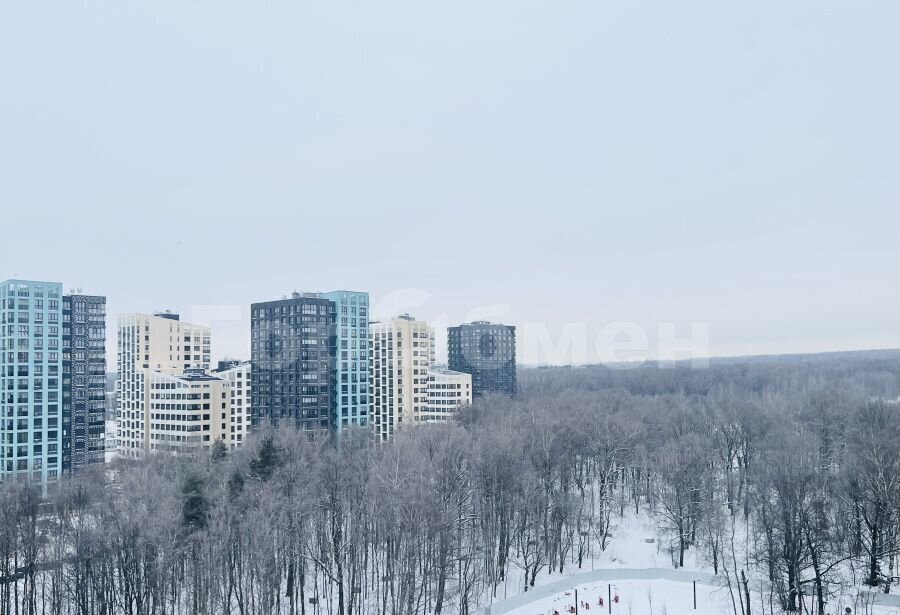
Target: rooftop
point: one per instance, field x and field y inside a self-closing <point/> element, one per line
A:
<point x="228" y="364"/>
<point x="196" y="374"/>
<point x="482" y="323"/>
<point x="440" y="369"/>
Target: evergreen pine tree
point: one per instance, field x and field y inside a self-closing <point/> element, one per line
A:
<point x="194" y="506"/>
<point x="269" y="458"/>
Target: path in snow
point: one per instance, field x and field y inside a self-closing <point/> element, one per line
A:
<point x="713" y="597"/>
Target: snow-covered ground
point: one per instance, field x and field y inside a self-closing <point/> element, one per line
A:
<point x="633" y="597"/>
<point x="641" y="572"/>
<point x="630" y="547"/>
<point x="658" y="596"/>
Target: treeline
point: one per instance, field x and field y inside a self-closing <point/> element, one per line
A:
<point x="795" y="482"/>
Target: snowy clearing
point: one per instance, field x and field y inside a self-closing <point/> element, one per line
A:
<point x="650" y="596"/>
<point x="632" y="597"/>
<point x="641" y="574"/>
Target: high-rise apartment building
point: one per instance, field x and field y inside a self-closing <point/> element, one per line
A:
<point x="238" y="374"/>
<point x="402" y="349"/>
<point x="84" y="381"/>
<point x="31" y="368"/>
<point x="447" y="392"/>
<point x="293" y="349"/>
<point x="188" y="412"/>
<point x="151" y="343"/>
<point x="486" y="351"/>
<point x="350" y="404"/>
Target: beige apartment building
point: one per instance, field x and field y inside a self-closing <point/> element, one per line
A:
<point x="238" y="374"/>
<point x="189" y="412"/>
<point x="402" y="350"/>
<point x="447" y="391"/>
<point x="148" y="344"/>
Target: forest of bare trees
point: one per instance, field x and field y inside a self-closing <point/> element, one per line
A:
<point x="782" y="471"/>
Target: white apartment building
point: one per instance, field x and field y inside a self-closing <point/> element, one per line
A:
<point x="187" y="413"/>
<point x="151" y="343"/>
<point x="402" y="349"/>
<point x="447" y="391"/>
<point x="112" y="440"/>
<point x="239" y="377"/>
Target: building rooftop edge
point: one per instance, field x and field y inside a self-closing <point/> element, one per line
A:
<point x="197" y="375"/>
<point x="184" y="322"/>
<point x="447" y="371"/>
<point x="475" y="323"/>
<point x="22" y="281"/>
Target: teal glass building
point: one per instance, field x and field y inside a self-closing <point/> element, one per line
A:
<point x="31" y="368"/>
<point x="350" y="400"/>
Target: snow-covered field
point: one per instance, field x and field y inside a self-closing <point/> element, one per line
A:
<point x="629" y="548"/>
<point x="640" y="572"/>
<point x="660" y="596"/>
<point x="633" y="597"/>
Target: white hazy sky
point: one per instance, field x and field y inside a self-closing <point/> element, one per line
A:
<point x="735" y="165"/>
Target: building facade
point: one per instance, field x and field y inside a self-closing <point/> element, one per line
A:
<point x="447" y="392"/>
<point x="351" y="367"/>
<point x="148" y="344"/>
<point x="238" y="374"/>
<point x="293" y="349"/>
<point x="84" y="381"/>
<point x="402" y="349"/>
<point x="187" y="413"/>
<point x="487" y="351"/>
<point x="31" y="381"/>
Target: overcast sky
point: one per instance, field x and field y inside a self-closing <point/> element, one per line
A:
<point x="580" y="163"/>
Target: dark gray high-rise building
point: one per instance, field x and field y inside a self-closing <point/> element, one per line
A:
<point x="486" y="351"/>
<point x="84" y="381"/>
<point x="293" y="351"/>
